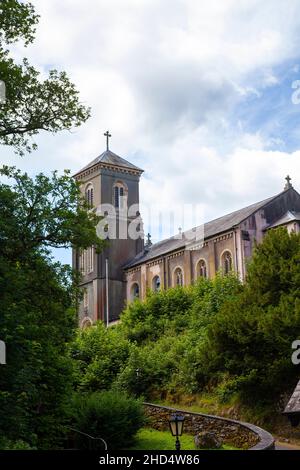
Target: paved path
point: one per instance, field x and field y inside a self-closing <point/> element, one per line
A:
<point x="285" y="446"/>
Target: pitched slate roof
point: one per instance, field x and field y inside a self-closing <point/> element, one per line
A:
<point x="212" y="228"/>
<point x="110" y="158"/>
<point x="288" y="217"/>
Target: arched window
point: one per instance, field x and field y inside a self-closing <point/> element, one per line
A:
<point x="89" y="194"/>
<point x="86" y="260"/>
<point x="90" y="259"/>
<point x="135" y="291"/>
<point x="156" y="284"/>
<point x="178" y="277"/>
<point x="226" y="262"/>
<point x="86" y="323"/>
<point x="119" y="194"/>
<point x="202" y="269"/>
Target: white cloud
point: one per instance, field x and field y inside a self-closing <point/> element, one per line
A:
<point x="164" y="77"/>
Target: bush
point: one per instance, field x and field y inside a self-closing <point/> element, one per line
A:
<point x="99" y="354"/>
<point x="6" y="444"/>
<point x="112" y="416"/>
<point x="250" y="338"/>
<point x="157" y="347"/>
<point x="214" y="335"/>
<point x="157" y="314"/>
<point x="36" y="324"/>
<point x="150" y="369"/>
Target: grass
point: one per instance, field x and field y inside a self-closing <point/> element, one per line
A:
<point x="204" y="403"/>
<point x="150" y="439"/>
<point x="232" y="408"/>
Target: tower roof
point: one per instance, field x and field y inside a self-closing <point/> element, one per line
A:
<point x="110" y="158"/>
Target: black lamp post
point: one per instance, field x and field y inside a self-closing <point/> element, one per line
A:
<point x="176" y="428"/>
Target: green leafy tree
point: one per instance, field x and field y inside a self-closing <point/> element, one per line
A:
<point x="166" y="310"/>
<point x="38" y="297"/>
<point x="99" y="354"/>
<point x="156" y="349"/>
<point x="37" y="320"/>
<point x="251" y="337"/>
<point x="38" y="303"/>
<point x="31" y="104"/>
<point x="18" y="21"/>
<point x="44" y="212"/>
<point x="274" y="269"/>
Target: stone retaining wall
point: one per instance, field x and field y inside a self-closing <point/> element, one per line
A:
<point x="236" y="433"/>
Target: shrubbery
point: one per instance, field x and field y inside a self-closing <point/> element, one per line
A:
<point x="250" y="339"/>
<point x="6" y="444"/>
<point x="112" y="416"/>
<point x="99" y="354"/>
<point x="155" y="349"/>
<point x="36" y="322"/>
<point x="215" y="335"/>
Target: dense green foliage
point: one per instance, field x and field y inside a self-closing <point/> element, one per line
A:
<point x="215" y="335"/>
<point x="38" y="304"/>
<point x="99" y="355"/>
<point x="42" y="212"/>
<point x="6" y="444"/>
<point x="250" y="340"/>
<point x="155" y="348"/>
<point x="115" y="417"/>
<point x="36" y="322"/>
<point x="38" y="297"/>
<point x="18" y="21"/>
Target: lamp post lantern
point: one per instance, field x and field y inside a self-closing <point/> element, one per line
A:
<point x="176" y="427"/>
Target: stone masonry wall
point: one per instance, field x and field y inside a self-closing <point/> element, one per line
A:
<point x="236" y="433"/>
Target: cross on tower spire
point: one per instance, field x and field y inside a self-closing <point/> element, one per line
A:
<point x="288" y="183"/>
<point x="107" y="135"/>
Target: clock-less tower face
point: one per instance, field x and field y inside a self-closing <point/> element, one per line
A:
<point x="110" y="184"/>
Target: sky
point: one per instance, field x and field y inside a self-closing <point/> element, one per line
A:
<point x="203" y="95"/>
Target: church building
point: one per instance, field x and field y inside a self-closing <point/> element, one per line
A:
<point x="128" y="267"/>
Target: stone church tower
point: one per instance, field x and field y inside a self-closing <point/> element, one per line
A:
<point x="126" y="269"/>
<point x="108" y="181"/>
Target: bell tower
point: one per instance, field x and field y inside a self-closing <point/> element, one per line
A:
<point x="110" y="184"/>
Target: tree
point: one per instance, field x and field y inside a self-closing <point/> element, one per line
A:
<point x="38" y="302"/>
<point x="37" y="296"/>
<point x="99" y="354"/>
<point x="18" y="21"/>
<point x="251" y="337"/>
<point x="274" y="269"/>
<point x="32" y="104"/>
<point x="37" y="321"/>
<point x="42" y="212"/>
